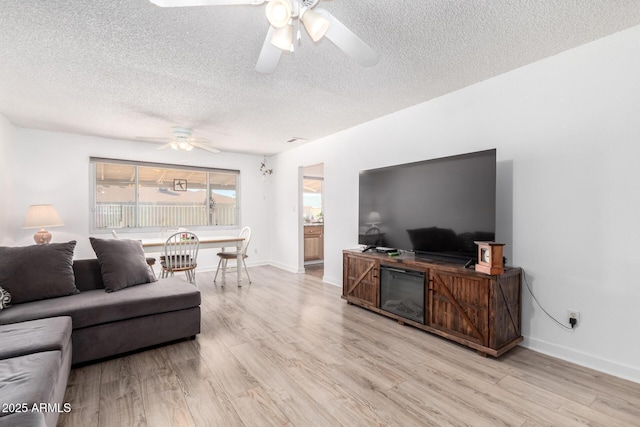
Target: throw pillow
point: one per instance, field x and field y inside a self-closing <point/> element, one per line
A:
<point x="5" y="299"/>
<point x="38" y="272"/>
<point x="122" y="263"/>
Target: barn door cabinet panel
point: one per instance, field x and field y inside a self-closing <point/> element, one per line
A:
<point x="460" y="306"/>
<point x="471" y="308"/>
<point x="361" y="280"/>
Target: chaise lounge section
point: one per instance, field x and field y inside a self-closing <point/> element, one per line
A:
<point x="35" y="360"/>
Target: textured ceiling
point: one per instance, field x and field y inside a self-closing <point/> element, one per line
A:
<point x="127" y="68"/>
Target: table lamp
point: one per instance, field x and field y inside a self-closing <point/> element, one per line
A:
<point x="40" y="216"/>
<point x="374" y="219"/>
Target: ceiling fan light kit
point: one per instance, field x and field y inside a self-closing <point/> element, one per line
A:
<point x="315" y="24"/>
<point x="185" y="146"/>
<point x="280" y="14"/>
<point x="180" y="143"/>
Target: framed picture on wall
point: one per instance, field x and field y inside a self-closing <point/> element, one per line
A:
<point x="179" y="185"/>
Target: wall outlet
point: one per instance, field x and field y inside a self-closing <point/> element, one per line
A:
<point x="573" y="314"/>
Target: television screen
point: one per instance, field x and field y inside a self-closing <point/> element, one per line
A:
<point x="435" y="207"/>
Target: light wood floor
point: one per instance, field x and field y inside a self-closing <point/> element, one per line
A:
<point x="314" y="270"/>
<point x="287" y="351"/>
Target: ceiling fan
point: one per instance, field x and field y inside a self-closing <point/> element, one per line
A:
<point x="181" y="139"/>
<point x="282" y="14"/>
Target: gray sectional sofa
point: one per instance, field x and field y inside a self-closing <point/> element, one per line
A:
<point x="101" y="318"/>
<point x="110" y="323"/>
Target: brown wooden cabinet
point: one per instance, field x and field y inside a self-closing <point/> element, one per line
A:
<point x="361" y="280"/>
<point x="474" y="309"/>
<point x="313" y="242"/>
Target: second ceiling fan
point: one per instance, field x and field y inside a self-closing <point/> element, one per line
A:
<point x="182" y="139"/>
<point x="281" y="15"/>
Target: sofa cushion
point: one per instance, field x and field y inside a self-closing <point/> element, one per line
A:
<point x="88" y="274"/>
<point x="122" y="263"/>
<point x="19" y="339"/>
<point x="97" y="307"/>
<point x="37" y="272"/>
<point x="28" y="379"/>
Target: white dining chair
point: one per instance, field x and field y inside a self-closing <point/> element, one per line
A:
<point x="180" y="254"/>
<point x="226" y="256"/>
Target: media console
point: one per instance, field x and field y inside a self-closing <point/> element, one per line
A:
<point x="471" y="308"/>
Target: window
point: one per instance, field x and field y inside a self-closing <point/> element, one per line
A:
<point x="134" y="195"/>
<point x="312" y="200"/>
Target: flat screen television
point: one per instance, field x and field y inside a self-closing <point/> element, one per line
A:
<point x="436" y="208"/>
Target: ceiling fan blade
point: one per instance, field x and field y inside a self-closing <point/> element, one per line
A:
<point x="350" y="43"/>
<point x="200" y="140"/>
<point x="164" y="147"/>
<point x="180" y="3"/>
<point x="269" y="55"/>
<point x="205" y="147"/>
<point x="153" y="139"/>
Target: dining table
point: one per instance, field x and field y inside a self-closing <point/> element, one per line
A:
<point x="157" y="246"/>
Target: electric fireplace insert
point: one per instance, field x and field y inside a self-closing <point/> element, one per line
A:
<point x="402" y="292"/>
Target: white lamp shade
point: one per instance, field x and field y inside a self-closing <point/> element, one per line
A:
<point x="279" y="13"/>
<point x="42" y="216"/>
<point x="316" y="24"/>
<point x="374" y="218"/>
<point x="283" y="37"/>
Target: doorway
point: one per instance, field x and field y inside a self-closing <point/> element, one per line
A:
<point x="313" y="219"/>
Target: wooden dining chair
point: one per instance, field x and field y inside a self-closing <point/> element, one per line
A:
<point x="226" y="256"/>
<point x="372" y="237"/>
<point x="180" y="254"/>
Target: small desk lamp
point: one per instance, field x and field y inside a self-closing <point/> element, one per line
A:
<point x="374" y="219"/>
<point x="40" y="216"/>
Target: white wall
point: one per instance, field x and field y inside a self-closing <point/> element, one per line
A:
<point x="54" y="168"/>
<point x="567" y="131"/>
<point x="7" y="221"/>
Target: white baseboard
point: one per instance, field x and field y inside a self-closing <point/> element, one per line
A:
<point x="285" y="267"/>
<point x="332" y="281"/>
<point x="583" y="359"/>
